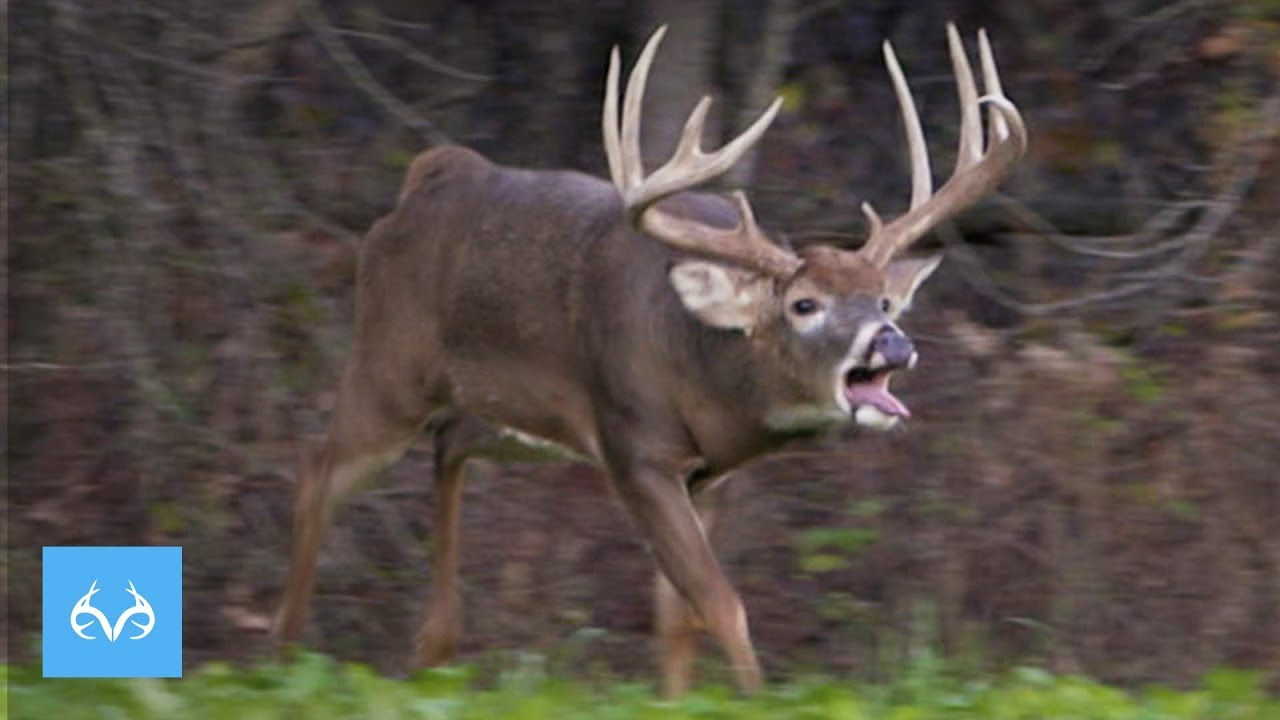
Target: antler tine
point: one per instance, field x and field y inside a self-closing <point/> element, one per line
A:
<point x="977" y="171"/>
<point x="998" y="129"/>
<point x="921" y="175"/>
<point x="626" y="167"/>
<point x="632" y="102"/>
<point x="612" y="141"/>
<point x="970" y="149"/>
<point x="688" y="167"/>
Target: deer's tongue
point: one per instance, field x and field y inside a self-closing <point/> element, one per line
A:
<point x="875" y="392"/>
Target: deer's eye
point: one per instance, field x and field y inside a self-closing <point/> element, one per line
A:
<point x="804" y="306"/>
<point x="885" y="304"/>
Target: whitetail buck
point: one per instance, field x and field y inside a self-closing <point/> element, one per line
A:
<point x="657" y="333"/>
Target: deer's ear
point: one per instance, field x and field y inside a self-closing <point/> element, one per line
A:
<point x="903" y="277"/>
<point x="719" y="296"/>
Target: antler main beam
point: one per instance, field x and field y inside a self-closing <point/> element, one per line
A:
<point x="977" y="171"/>
<point x="688" y="167"/>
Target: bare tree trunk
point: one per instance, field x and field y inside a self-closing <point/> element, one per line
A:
<point x="682" y="72"/>
<point x="758" y="66"/>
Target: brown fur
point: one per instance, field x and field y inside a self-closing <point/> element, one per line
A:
<point x="493" y="297"/>
<point x="841" y="272"/>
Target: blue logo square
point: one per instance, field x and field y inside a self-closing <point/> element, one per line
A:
<point x="112" y="612"/>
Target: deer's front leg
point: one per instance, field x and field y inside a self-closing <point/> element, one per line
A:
<point x="457" y="439"/>
<point x="678" y="627"/>
<point x="437" y="642"/>
<point x="661" y="506"/>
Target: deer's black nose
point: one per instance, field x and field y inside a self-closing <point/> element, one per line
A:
<point x="894" y="347"/>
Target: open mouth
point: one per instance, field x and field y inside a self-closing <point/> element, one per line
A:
<point x="864" y="386"/>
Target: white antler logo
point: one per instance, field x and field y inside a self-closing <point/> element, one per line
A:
<point x="140" y="607"/>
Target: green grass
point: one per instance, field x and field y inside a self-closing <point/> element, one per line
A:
<point x="317" y="688"/>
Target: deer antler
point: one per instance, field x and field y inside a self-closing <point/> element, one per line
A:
<point x="689" y="166"/>
<point x="977" y="171"/>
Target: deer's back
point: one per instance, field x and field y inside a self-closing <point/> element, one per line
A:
<point x="478" y="279"/>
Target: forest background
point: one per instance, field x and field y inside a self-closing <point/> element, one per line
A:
<point x="1092" y="478"/>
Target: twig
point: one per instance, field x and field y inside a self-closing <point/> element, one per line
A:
<point x="389" y="21"/>
<point x="363" y="79"/>
<point x="38" y="366"/>
<point x="975" y="273"/>
<point x="1155" y="226"/>
<point x="1135" y="27"/>
<point x="172" y="63"/>
<point x="1259" y="145"/>
<point x="1248" y="162"/>
<point x="416" y="56"/>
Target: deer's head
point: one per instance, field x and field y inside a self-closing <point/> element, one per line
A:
<point x="827" y="314"/>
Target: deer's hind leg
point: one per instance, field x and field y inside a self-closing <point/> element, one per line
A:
<point x="370" y="430"/>
<point x="459" y="437"/>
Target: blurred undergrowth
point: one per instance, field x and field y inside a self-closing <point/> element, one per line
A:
<point x="316" y="687"/>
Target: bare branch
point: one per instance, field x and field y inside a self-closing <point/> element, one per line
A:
<point x="980" y="280"/>
<point x="416" y="56"/>
<point x="363" y="79"/>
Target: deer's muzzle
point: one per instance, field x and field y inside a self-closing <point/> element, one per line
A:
<point x="892" y="350"/>
<point x="868" y="384"/>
